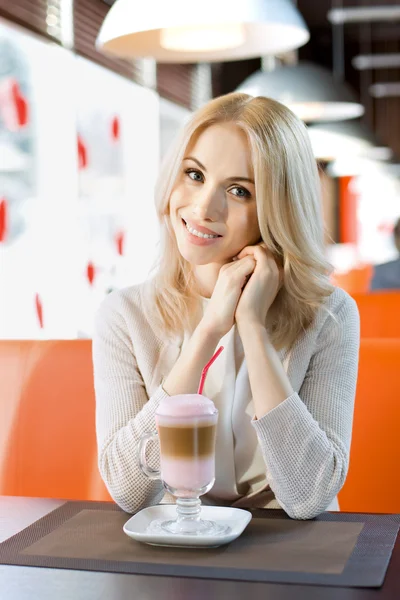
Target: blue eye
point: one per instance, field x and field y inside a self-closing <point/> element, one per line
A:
<point x="194" y="172"/>
<point x="243" y="192"/>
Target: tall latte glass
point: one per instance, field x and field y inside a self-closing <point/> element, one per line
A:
<point x="186" y="430"/>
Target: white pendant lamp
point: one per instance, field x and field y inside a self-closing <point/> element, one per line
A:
<point x="309" y="90"/>
<point x="331" y="141"/>
<point x="214" y="30"/>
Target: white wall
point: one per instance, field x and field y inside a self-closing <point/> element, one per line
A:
<point x="66" y="222"/>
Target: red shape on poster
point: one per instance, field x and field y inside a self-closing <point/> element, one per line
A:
<point x="115" y="129"/>
<point x="39" y="310"/>
<point x="3" y="219"/>
<point x="20" y="104"/>
<point x="82" y="153"/>
<point x="90" y="272"/>
<point x="120" y="241"/>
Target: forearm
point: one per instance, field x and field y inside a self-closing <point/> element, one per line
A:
<point x="120" y="424"/>
<point x="305" y="439"/>
<point x="185" y="375"/>
<point x="268" y="381"/>
<point x="305" y="468"/>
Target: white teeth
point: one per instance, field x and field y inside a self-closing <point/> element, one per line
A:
<point x="198" y="234"/>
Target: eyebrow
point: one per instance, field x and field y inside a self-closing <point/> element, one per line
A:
<point x="228" y="178"/>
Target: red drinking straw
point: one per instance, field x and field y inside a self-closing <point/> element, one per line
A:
<point x="204" y="371"/>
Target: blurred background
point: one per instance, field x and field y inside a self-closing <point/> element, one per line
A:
<point x="84" y="125"/>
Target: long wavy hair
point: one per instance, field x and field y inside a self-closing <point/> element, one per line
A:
<point x="289" y="209"/>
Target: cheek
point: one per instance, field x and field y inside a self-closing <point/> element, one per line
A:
<point x="173" y="204"/>
<point x="176" y="198"/>
<point x="246" y="222"/>
<point x="253" y="225"/>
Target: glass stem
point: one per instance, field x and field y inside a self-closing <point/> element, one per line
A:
<point x="188" y="509"/>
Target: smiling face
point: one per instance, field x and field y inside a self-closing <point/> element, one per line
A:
<point x="214" y="194"/>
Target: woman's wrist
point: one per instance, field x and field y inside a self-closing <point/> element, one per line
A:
<point x="247" y="327"/>
<point x="185" y="376"/>
<point x="207" y="333"/>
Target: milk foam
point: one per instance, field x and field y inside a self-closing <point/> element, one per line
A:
<point x="186" y="405"/>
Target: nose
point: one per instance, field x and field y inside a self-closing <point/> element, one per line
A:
<point x="209" y="204"/>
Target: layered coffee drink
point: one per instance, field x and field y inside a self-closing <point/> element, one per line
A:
<point x="187" y="426"/>
<point x="186" y="431"/>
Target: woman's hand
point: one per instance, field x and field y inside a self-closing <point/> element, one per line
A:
<point x="219" y="316"/>
<point x="262" y="287"/>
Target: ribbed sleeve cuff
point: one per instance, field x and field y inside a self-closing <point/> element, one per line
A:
<point x="271" y="426"/>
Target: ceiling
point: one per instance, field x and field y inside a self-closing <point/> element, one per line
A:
<point x="382" y="115"/>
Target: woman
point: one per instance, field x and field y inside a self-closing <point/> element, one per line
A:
<point x="241" y="264"/>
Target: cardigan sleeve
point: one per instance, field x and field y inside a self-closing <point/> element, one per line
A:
<point x="123" y="412"/>
<point x="305" y="440"/>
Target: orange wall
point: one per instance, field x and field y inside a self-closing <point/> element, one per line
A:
<point x="348" y="203"/>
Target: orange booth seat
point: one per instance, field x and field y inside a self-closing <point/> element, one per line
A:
<point x="379" y="314"/>
<point x="47" y="424"/>
<point x="47" y="420"/>
<point x="356" y="281"/>
<point x="373" y="482"/>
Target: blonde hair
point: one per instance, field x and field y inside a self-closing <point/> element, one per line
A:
<point x="289" y="214"/>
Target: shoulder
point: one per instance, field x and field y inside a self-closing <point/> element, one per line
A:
<point x="338" y="317"/>
<point x="340" y="303"/>
<point x="123" y="307"/>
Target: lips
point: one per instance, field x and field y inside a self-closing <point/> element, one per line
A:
<point x="197" y="240"/>
<point x="199" y="228"/>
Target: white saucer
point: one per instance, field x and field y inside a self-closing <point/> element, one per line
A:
<point x="236" y="519"/>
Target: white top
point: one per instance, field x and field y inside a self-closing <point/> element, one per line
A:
<point x="239" y="464"/>
<point x="295" y="457"/>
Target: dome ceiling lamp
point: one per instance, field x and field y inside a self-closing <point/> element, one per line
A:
<point x="309" y="90"/>
<point x="354" y="165"/>
<point x="172" y="31"/>
<point x="331" y="141"/>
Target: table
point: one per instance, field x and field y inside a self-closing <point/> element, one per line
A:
<point x="32" y="583"/>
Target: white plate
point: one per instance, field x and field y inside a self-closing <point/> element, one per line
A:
<point x="236" y="519"/>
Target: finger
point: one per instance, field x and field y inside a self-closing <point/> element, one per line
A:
<point x="245" y="266"/>
<point x="254" y="250"/>
<point x="275" y="270"/>
<point x="261" y="258"/>
<point x="248" y="250"/>
<point x="264" y="246"/>
<point x="246" y="262"/>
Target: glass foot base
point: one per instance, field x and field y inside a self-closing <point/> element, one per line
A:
<point x="188" y="521"/>
<point x="195" y="527"/>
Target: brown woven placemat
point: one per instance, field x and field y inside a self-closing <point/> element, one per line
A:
<point x="334" y="549"/>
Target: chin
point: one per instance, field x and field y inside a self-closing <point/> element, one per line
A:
<point x="197" y="260"/>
